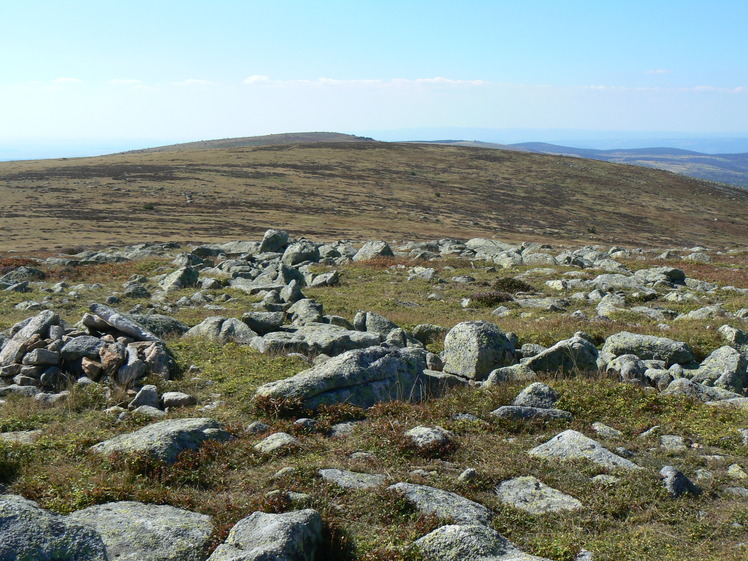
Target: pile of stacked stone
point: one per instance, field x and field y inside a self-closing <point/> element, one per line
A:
<point x="43" y="354"/>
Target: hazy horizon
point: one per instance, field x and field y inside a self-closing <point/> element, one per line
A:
<point x="602" y="140"/>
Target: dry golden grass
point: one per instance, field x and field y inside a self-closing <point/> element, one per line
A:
<point x="363" y="190"/>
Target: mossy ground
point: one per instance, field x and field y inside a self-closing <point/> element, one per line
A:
<point x="632" y="520"/>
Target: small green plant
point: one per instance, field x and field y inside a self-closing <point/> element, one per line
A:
<point x="149" y="206"/>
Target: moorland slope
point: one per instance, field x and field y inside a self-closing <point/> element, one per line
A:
<point x="359" y="190"/>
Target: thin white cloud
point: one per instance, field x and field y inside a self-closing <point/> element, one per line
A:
<point x="63" y="80"/>
<point x="258" y="79"/>
<point x="125" y="82"/>
<point x="190" y="82"/>
<point x="658" y="71"/>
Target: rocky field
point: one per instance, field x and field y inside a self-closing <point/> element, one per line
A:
<point x="286" y="399"/>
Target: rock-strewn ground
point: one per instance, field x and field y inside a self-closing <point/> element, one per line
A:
<point x="443" y="395"/>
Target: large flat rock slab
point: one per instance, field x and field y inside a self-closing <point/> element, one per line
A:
<point x="573" y="445"/>
<point x="443" y="504"/>
<point x="531" y="495"/>
<point x="473" y="542"/>
<point x="28" y="532"/>
<point x="134" y="531"/>
<point x="359" y="377"/>
<point x="165" y="439"/>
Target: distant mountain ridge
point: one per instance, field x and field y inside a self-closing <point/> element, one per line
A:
<point x="264" y="140"/>
<point x="723" y="168"/>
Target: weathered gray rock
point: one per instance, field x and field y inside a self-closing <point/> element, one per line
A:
<point x="575" y="354"/>
<point x="315" y="339"/>
<point x="165" y="439"/>
<point x="28" y="533"/>
<point x="15" y="348"/>
<point x="122" y="323"/>
<point x="724" y="368"/>
<point x="677" y="483"/>
<point x="537" y="395"/>
<point x="39" y="357"/>
<point x="372" y="250"/>
<point x="429" y="437"/>
<point x="273" y="241"/>
<point x="573" y="445"/>
<point x="305" y="311"/>
<point x="264" y="322"/>
<point x="133" y="531"/>
<point x="300" y="251"/>
<point x="277" y="443"/>
<point x="514" y="373"/>
<point x="472" y="542"/>
<point x="444" y="504"/>
<point x="531" y="495"/>
<point x="291" y="536"/>
<point x="148" y="395"/>
<point x="352" y="479"/>
<point x="359" y="377"/>
<point x="605" y="431"/>
<point x="733" y="336"/>
<point x="223" y="330"/>
<point x="687" y="388"/>
<point x="627" y="368"/>
<point x="473" y="349"/>
<point x="648" y="347"/>
<point x="22" y="273"/>
<point x="159" y="324"/>
<point x="184" y="277"/>
<point x="177" y="399"/>
<point x="82" y="346"/>
<point x="525" y="413"/>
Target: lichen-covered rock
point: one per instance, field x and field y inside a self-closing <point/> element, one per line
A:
<point x="300" y="251"/>
<point x="133" y="531"/>
<point x="223" y="330"/>
<point x="573" y="445"/>
<point x="185" y="277"/>
<point x="359" y="377"/>
<point x="353" y="480"/>
<point x="373" y="249"/>
<point x="524" y="413"/>
<point x="291" y="536"/>
<point x="469" y="542"/>
<point x="724" y="368"/>
<point x="273" y="241"/>
<point x="444" y="504"/>
<point x="28" y="533"/>
<point x="537" y="395"/>
<point x="575" y="354"/>
<point x="648" y="347"/>
<point x="429" y="437"/>
<point x="473" y="349"/>
<point x="165" y="439"/>
<point x="278" y="443"/>
<point x="315" y="339"/>
<point x="688" y="388"/>
<point x="514" y="373"/>
<point x="531" y="495"/>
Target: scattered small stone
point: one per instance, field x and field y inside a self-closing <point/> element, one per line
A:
<point x="278" y="443"/>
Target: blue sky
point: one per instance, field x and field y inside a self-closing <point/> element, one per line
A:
<point x="145" y="72"/>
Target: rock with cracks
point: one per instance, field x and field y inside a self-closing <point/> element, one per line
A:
<point x="359" y="377"/>
<point x="291" y="536"/>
